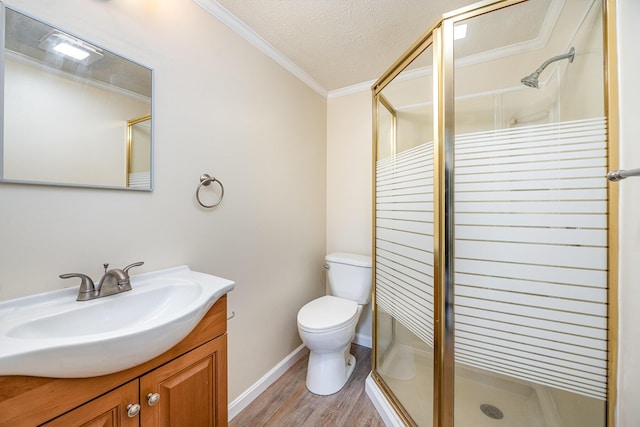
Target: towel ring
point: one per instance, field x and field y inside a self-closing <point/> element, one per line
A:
<point x="206" y="179"/>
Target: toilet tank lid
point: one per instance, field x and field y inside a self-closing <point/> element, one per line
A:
<point x="350" y="259"/>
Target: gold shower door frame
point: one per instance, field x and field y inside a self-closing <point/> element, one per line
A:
<point x="440" y="37"/>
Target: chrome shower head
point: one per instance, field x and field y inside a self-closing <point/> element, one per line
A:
<point x="532" y="79"/>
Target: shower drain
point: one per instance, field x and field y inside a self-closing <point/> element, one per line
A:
<point x="491" y="411"/>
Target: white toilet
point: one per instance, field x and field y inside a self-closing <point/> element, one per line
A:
<point x="327" y="325"/>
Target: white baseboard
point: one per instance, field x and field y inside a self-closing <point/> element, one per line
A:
<point x="263" y="383"/>
<point x="382" y="405"/>
<point x="363" y="340"/>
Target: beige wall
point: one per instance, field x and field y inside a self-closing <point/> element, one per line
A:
<point x="349" y="173"/>
<point x="223" y="108"/>
<point x="349" y="180"/>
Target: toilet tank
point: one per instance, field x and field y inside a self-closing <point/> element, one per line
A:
<point x="350" y="276"/>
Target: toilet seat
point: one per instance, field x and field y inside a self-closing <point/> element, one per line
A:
<point x="326" y="314"/>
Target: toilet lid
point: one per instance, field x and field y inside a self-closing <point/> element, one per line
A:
<point x="327" y="313"/>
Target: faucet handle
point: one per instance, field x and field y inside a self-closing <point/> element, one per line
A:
<point x="87" y="287"/>
<point x="130" y="266"/>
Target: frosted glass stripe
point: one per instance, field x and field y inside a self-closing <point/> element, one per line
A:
<point x="546" y="375"/>
<point x="534" y="364"/>
<point x="549" y="375"/>
<point x="597" y="152"/>
<point x="404" y="239"/>
<point x="551" y="335"/>
<point x="595" y="125"/>
<point x="523" y="206"/>
<point x="549" y="183"/>
<point x="531" y="247"/>
<point x="588" y="366"/>
<point x="531" y="250"/>
<point x="531" y="165"/>
<point x="527" y="311"/>
<point x="559" y="220"/>
<point x="416" y="282"/>
<point x="589" y="149"/>
<point x="406" y="252"/>
<point x="547" y="302"/>
<point x="139" y="180"/>
<point x="553" y="275"/>
<point x="534" y="194"/>
<point x="507" y="319"/>
<point x="529" y="287"/>
<point x="556" y="255"/>
<point x="544" y="235"/>
<point x="511" y="147"/>
<point x="529" y="175"/>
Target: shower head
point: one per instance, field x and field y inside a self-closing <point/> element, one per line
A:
<point x="532" y="79"/>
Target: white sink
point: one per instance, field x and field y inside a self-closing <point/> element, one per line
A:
<point x="53" y="335"/>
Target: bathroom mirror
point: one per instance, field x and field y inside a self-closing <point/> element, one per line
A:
<point x="74" y="114"/>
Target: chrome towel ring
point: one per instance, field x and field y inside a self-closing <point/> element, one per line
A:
<point x="205" y="180"/>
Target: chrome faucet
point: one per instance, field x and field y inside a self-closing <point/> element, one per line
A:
<point x="112" y="282"/>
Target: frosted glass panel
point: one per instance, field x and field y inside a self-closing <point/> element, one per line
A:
<point x="404" y="239"/>
<point x="531" y="222"/>
<point x="531" y="297"/>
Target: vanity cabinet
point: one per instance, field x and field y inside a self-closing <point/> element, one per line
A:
<point x="106" y="411"/>
<point x="185" y="386"/>
<point x="188" y="390"/>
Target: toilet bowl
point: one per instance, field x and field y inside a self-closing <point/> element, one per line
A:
<point x="327" y="324"/>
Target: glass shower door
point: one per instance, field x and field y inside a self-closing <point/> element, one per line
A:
<point x="492" y="277"/>
<point x="404" y="238"/>
<point x="531" y="217"/>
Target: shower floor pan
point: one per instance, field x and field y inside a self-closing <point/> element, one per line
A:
<point x="482" y="398"/>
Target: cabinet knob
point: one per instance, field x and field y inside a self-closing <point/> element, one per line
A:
<point x="153" y="398"/>
<point x="133" y="409"/>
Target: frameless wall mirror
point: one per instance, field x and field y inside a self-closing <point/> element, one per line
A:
<point x="74" y="114"/>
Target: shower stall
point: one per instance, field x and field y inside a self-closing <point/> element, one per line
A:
<point x="494" y="226"/>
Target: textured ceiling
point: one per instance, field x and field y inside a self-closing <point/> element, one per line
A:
<point x="340" y="43"/>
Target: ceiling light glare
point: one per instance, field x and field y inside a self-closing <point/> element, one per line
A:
<point x="72" y="51"/>
<point x="460" y="31"/>
<point x="70" y="47"/>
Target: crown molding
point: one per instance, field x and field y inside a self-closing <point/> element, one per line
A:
<point x="244" y="31"/>
<point x="350" y="90"/>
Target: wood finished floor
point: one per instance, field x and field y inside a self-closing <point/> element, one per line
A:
<point x="287" y="402"/>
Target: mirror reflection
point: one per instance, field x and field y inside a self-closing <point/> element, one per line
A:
<point x="139" y="152"/>
<point x="74" y="113"/>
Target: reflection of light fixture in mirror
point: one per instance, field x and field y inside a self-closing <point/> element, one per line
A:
<point x="71" y="48"/>
<point x="460" y="31"/>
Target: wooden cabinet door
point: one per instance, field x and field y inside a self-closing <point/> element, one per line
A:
<point x="192" y="389"/>
<point x="109" y="410"/>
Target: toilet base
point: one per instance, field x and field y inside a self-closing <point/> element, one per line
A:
<point x="327" y="373"/>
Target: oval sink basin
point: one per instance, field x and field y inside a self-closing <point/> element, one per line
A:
<point x="53" y="335"/>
